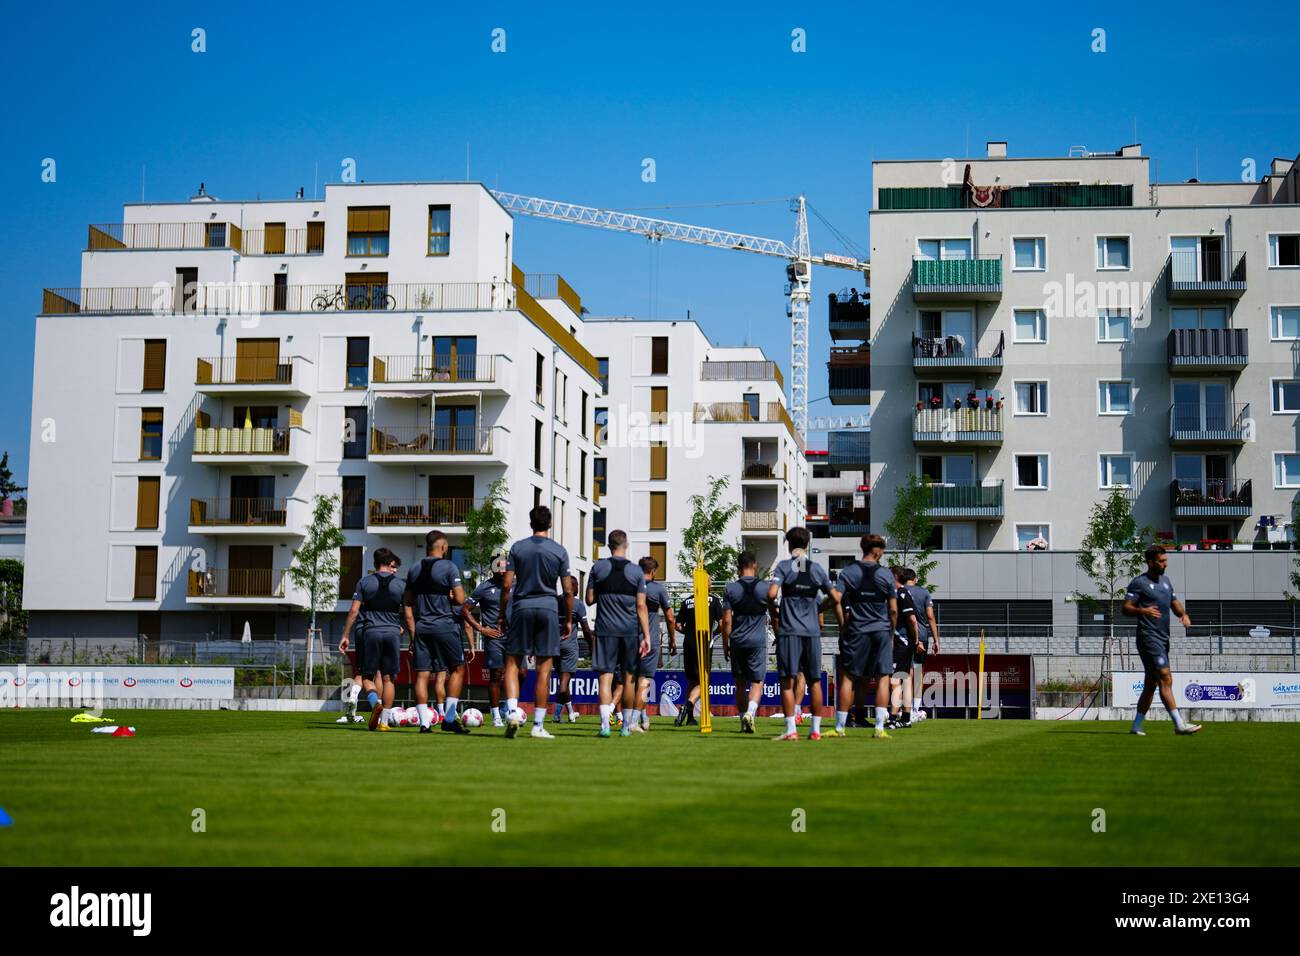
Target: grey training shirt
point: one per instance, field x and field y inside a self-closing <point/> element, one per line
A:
<point x="616" y="600"/>
<point x="867" y="588"/>
<point x="803" y="583"/>
<point x="747" y="601"/>
<point x="381" y="601"/>
<point x="1145" y="592"/>
<point x="539" y="563"/>
<point x="430" y="583"/>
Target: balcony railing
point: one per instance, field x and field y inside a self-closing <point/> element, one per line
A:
<point x="162" y="236"/>
<point x="740" y="412"/>
<point x="1218" y="422"/>
<point x="1019" y="197"/>
<point x="760" y="470"/>
<point x="1213" y="498"/>
<point x="1208" y="349"/>
<point x="544" y="286"/>
<point x="850" y="318"/>
<point x="965" y="500"/>
<point x="952" y="351"/>
<point x="418" y="512"/>
<point x="435" y="440"/>
<point x="849" y="385"/>
<point x="237" y="583"/>
<point x="1201" y="274"/>
<point x="957" y="425"/>
<point x="243" y="370"/>
<point x="978" y="278"/>
<point x="239" y="512"/>
<point x="849" y="448"/>
<point x="852" y="521"/>
<point x="404" y="369"/>
<point x="760" y="521"/>
<point x="283" y="242"/>
<point x="241" y="441"/>
<point x="741" y="372"/>
<point x="164" y="298"/>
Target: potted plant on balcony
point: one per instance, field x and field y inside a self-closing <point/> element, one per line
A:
<point x="1205" y="544"/>
<point x="988" y="402"/>
<point x="919" y="406"/>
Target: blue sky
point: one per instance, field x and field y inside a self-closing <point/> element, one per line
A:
<point x="583" y="93"/>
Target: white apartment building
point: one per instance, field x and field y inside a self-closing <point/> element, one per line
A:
<point x="1046" y="329"/>
<point x="677" y="412"/>
<point x="222" y="363"/>
<point x="839" y="498"/>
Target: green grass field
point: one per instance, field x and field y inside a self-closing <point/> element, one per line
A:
<point x="300" y="789"/>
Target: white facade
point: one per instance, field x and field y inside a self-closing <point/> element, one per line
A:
<point x="717" y="412"/>
<point x="419" y="365"/>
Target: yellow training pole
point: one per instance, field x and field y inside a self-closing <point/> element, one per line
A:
<point x="702" y="632"/>
<point x="979" y="711"/>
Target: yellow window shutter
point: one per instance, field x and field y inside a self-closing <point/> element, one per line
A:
<point x="146" y="502"/>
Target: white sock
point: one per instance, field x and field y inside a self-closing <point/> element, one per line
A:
<point x="1177" y="718"/>
<point x="789" y="724"/>
<point x="512" y="704"/>
<point x="916" y="703"/>
<point x="442" y="708"/>
<point x="425" y="716"/>
<point x="798" y="712"/>
<point x="881" y="714"/>
<point x="569" y="706"/>
<point x="451" y="708"/>
<point x="841" y="718"/>
<point x="817" y="724"/>
<point x="645" y="718"/>
<point x="605" y="711"/>
<point x="354" y="693"/>
<point x="539" y="716"/>
<point x="627" y="716"/>
<point x="386" y="716"/>
<point x="752" y="709"/>
<point x="496" y="712"/>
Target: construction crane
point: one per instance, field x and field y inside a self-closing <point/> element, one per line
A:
<point x="798" y="270"/>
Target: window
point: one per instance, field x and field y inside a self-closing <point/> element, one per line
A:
<point x="1284" y="251"/>
<point x="659" y="405"/>
<point x="315" y="237"/>
<point x="214" y="235"/>
<point x="350" y="570"/>
<point x="537" y="498"/>
<point x="751" y="406"/>
<point x="155" y="365"/>
<point x="355" y="424"/>
<point x="958" y="536"/>
<point x="1286" y="322"/>
<point x="1029" y="254"/>
<point x="658" y="461"/>
<point x="280" y="293"/>
<point x="659" y="551"/>
<point x="659" y="355"/>
<point x="583" y="540"/>
<point x="599" y="474"/>
<point x="354" y="502"/>
<point x="151" y="434"/>
<point x="582" y="479"/>
<point x="658" y="510"/>
<point x="1031" y="326"/>
<point x="561" y="394"/>
<point x="146" y="573"/>
<point x="1116" y="471"/>
<point x="273" y="238"/>
<point x="146" y="502"/>
<point x="598" y="528"/>
<point x="582" y="423"/>
<point x="367" y="290"/>
<point x="1214" y="318"/>
<point x="358" y="372"/>
<point x="455" y="358"/>
<point x="439" y="230"/>
<point x="943" y="248"/>
<point x="1286" y="469"/>
<point x="1033" y="537"/>
<point x="1112" y="252"/>
<point x="1114" y="325"/>
<point x="539" y="378"/>
<point x="1115" y="398"/>
<point x="1286" y="396"/>
<point x="537" y="445"/>
<point x="602" y="374"/>
<point x="1031" y="398"/>
<point x="367" y="230"/>
<point x="602" y="425"/>
<point x="1031" y="471"/>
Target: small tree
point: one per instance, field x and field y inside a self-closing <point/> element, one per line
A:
<point x="486" y="530"/>
<point x="908" y="531"/>
<point x="13" y="619"/>
<point x="315" y="568"/>
<point x="708" y="528"/>
<point x="8" y="487"/>
<point x="1292" y="594"/>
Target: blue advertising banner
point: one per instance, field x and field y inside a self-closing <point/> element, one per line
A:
<point x="669" y="687"/>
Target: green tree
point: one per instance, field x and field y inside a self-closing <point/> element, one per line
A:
<point x="8" y="487"/>
<point x="486" y="530"/>
<point x="1294" y="593"/>
<point x="13" y="619"/>
<point x="908" y="531"/>
<point x="315" y="568"/>
<point x="708" y="528"/>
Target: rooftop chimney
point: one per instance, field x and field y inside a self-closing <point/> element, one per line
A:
<point x="997" y="149"/>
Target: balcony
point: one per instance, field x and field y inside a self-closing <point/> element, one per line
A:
<point x="746" y="413"/>
<point x="164" y="298"/>
<point x="965" y="500"/>
<point x="246" y="446"/>
<point x="242" y="375"/>
<point x="1198" y="276"/>
<point x="757" y="470"/>
<point x="1215" y="498"/>
<point x="850" y="318"/>
<point x="760" y="521"/>
<point x="1014" y="197"/>
<point x="552" y="286"/>
<point x="849" y="371"/>
<point x="950" y="352"/>
<point x="406" y="444"/>
<point x="417" y="516"/>
<point x="469" y="369"/>
<point x="283" y="242"/>
<point x="957" y="280"/>
<point x="849" y="449"/>
<point x="850" y="521"/>
<point x="236" y="586"/>
<point x="1208" y="423"/>
<point x="163" y="236"/>
<point x="1208" y="350"/>
<point x="969" y="426"/>
<point x="246" y="516"/>
<point x="741" y="372"/>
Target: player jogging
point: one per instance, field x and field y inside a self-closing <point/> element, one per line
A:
<point x="691" y="662"/>
<point x="800" y="584"/>
<point x="434" y="593"/>
<point x="744" y="636"/>
<point x="567" y="662"/>
<point x="534" y="569"/>
<point x="660" y="608"/>
<point x="1150" y="598"/>
<point x="378" y="602"/>
<point x="486" y="599"/>
<point x="617" y="588"/>
<point x="867" y="614"/>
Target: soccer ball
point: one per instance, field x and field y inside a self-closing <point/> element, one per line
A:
<point x="472" y="718"/>
<point x="435" y="718"/>
<point x="518" y="716"/>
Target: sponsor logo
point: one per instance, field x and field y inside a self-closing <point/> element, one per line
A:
<point x="671" y="690"/>
<point x="186" y="682"/>
<point x="128" y="682"/>
<point x="1197" y="692"/>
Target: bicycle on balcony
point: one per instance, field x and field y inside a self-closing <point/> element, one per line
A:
<point x="354" y="299"/>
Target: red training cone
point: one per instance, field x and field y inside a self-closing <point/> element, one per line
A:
<point x="124" y="732"/>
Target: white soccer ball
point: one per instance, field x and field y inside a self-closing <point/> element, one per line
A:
<point x="518" y="715"/>
<point x="472" y="718"/>
<point x="435" y="718"/>
<point x="408" y="717"/>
